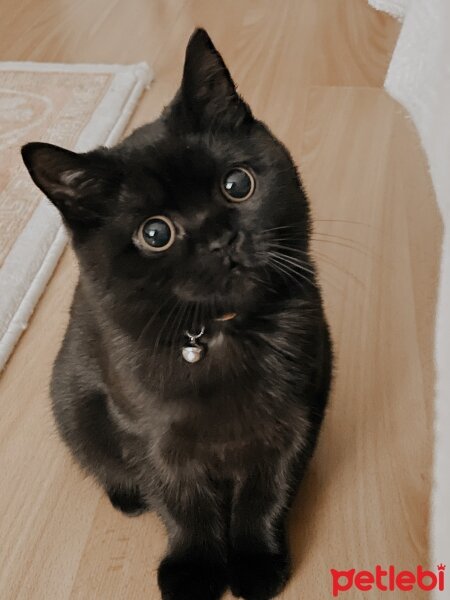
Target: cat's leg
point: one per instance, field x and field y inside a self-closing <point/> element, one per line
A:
<point x="259" y="555"/>
<point x="195" y="565"/>
<point x="92" y="436"/>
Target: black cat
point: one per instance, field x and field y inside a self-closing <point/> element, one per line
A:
<point x="195" y="370"/>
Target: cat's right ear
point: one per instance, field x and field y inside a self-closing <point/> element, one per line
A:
<point x="75" y="183"/>
<point x="208" y="92"/>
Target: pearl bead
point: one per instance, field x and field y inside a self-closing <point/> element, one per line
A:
<point x="192" y="354"/>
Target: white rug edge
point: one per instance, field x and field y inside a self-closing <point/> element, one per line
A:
<point x="142" y="68"/>
<point x="395" y="8"/>
<point x="105" y="127"/>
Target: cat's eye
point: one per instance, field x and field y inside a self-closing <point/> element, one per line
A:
<point x="238" y="184"/>
<point x="157" y="233"/>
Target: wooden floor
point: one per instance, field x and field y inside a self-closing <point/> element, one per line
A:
<point x="313" y="69"/>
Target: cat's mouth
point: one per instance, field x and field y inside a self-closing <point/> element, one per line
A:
<point x="225" y="294"/>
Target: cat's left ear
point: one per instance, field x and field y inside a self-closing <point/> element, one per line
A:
<point x="207" y="89"/>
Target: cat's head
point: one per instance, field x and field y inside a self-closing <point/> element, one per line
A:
<point x="198" y="206"/>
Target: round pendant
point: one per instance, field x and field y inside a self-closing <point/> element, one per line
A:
<point x="192" y="353"/>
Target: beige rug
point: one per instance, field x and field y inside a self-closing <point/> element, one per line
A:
<point x="76" y="106"/>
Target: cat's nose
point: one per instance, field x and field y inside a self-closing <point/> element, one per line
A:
<point x="227" y="238"/>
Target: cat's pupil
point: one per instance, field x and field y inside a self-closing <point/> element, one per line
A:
<point x="238" y="184"/>
<point x="156" y="233"/>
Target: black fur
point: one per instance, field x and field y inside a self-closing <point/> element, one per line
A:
<point x="218" y="448"/>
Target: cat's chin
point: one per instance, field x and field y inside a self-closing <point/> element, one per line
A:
<point x="217" y="305"/>
<point x="237" y="292"/>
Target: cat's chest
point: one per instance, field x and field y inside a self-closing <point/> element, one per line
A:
<point x="230" y="440"/>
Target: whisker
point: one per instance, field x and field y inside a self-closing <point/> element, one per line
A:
<point x="314" y="253"/>
<point x="152" y="318"/>
<point x="175" y="329"/>
<point x="338" y="237"/>
<point x="289" y="268"/>
<point x="284" y="239"/>
<point x="279" y="269"/>
<point x="308" y="255"/>
<point x="353" y="245"/>
<point x="343" y="245"/>
<point x="293" y="261"/>
<point x="195" y="328"/>
<point x="159" y="336"/>
<point x="290" y="226"/>
<point x="327" y="259"/>
<point x="341" y="221"/>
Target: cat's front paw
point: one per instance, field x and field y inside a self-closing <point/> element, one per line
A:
<point x="184" y="579"/>
<point x="129" y="501"/>
<point x="259" y="576"/>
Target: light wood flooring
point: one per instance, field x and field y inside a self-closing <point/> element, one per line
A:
<point x="314" y="70"/>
